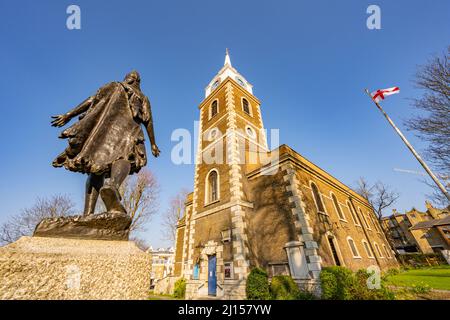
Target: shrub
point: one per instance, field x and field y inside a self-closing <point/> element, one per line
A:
<point x="305" y="295"/>
<point x="257" y="287"/>
<point x="283" y="288"/>
<point x="420" y="288"/>
<point x="362" y="291"/>
<point x="392" y="272"/>
<point x="179" y="291"/>
<point x="337" y="283"/>
<point x="340" y="283"/>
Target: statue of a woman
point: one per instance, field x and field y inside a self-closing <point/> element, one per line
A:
<point x="107" y="141"/>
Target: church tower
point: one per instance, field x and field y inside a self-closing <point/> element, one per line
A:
<point x="230" y="136"/>
<point x="287" y="216"/>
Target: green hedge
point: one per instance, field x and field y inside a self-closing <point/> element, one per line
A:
<point x="179" y="291"/>
<point x="284" y="288"/>
<point x="257" y="287"/>
<point x="340" y="283"/>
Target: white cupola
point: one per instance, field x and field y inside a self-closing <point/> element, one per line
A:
<point x="228" y="71"/>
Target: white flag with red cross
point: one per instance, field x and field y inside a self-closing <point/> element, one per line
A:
<point x="380" y="94"/>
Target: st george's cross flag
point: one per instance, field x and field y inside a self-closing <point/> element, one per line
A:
<point x="380" y="94"/>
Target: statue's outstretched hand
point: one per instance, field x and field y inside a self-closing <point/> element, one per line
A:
<point x="60" y="120"/>
<point x="155" y="150"/>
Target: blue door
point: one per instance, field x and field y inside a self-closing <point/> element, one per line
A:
<point x="212" y="280"/>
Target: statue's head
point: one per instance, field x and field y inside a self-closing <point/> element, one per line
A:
<point x="132" y="78"/>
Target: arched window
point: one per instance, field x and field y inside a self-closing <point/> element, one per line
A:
<point x="354" y="217"/>
<point x="388" y="254"/>
<point x="375" y="222"/>
<point x="364" y="218"/>
<point x="337" y="207"/>
<point x="212" y="187"/>
<point x="377" y="247"/>
<point x="367" y="248"/>
<point x="317" y="198"/>
<point x="245" y="106"/>
<point x="369" y="222"/>
<point x="353" y="247"/>
<point x="214" y="108"/>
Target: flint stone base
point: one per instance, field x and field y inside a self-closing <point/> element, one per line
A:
<point x="103" y="226"/>
<point x="59" y="269"/>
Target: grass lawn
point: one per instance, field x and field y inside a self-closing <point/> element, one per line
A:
<point x="434" y="277"/>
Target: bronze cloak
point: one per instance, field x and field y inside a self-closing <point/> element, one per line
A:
<point x="108" y="131"/>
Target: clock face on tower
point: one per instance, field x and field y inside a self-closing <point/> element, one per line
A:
<point x="215" y="84"/>
<point x="241" y="83"/>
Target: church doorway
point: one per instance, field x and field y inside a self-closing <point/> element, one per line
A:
<point x="334" y="251"/>
<point x="212" y="278"/>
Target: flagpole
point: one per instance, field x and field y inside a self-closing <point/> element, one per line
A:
<point x="410" y="147"/>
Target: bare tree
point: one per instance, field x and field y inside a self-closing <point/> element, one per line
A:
<point x="433" y="125"/>
<point x="24" y="223"/>
<point x="140" y="194"/>
<point x="140" y="243"/>
<point x="379" y="195"/>
<point x="173" y="214"/>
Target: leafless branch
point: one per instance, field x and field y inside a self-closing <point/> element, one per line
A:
<point x="433" y="123"/>
<point x="174" y="212"/>
<point x="379" y="195"/>
<point x="23" y="223"/>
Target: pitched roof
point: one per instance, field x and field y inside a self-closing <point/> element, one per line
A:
<point x="431" y="223"/>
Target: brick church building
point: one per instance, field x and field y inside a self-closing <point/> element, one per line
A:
<point x="268" y="208"/>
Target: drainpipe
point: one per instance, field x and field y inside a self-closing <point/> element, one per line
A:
<point x="365" y="232"/>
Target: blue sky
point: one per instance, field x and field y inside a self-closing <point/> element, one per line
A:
<point x="309" y="62"/>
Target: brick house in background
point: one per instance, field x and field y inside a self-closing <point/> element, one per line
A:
<point x="280" y="212"/>
<point x="416" y="231"/>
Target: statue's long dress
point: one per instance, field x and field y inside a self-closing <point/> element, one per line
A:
<point x="108" y="131"/>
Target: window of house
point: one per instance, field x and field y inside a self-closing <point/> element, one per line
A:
<point x="377" y="247"/>
<point x="214" y="108"/>
<point x="212" y="187"/>
<point x="317" y="198"/>
<point x="354" y="217"/>
<point x="367" y="248"/>
<point x="245" y="106"/>
<point x="228" y="270"/>
<point x="337" y="207"/>
<point x="353" y="248"/>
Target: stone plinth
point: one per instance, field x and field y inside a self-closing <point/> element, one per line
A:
<point x="58" y="268"/>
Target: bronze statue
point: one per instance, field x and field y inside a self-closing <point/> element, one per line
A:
<point x="107" y="141"/>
